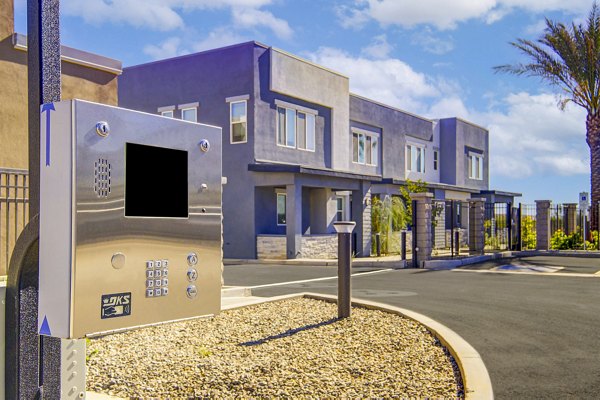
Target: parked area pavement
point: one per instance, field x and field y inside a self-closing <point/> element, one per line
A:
<point x="543" y="264"/>
<point x="537" y="334"/>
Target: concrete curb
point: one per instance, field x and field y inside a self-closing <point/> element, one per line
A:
<point x="476" y="380"/>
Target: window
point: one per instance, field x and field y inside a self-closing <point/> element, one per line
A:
<point x="238" y="122"/>
<point x="189" y="114"/>
<point x="339" y="214"/>
<point x="364" y="148"/>
<point x="436" y="158"/>
<point x="167" y="113"/>
<point x="415" y="158"/>
<point x="475" y="166"/>
<point x="295" y="129"/>
<point x="281" y="197"/>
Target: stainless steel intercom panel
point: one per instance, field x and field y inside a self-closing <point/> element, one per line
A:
<point x="130" y="219"/>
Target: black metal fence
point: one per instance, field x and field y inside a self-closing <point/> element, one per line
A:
<point x="450" y="223"/>
<point x="14" y="209"/>
<point x="570" y="228"/>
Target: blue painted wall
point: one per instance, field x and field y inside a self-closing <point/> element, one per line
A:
<point x="394" y="125"/>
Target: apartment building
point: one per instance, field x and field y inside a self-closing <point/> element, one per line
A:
<point x="299" y="150"/>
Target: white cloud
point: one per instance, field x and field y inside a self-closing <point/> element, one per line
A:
<point x="444" y="14"/>
<point x="534" y="137"/>
<point x="165" y="15"/>
<point x="432" y="43"/>
<point x="379" y="47"/>
<point x="220" y="37"/>
<point x="167" y="49"/>
<point x="389" y="80"/>
<point x="252" y="18"/>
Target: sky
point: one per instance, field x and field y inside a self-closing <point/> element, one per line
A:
<point x="434" y="58"/>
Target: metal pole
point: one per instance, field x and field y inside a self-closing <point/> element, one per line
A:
<point x="509" y="225"/>
<point x="457" y="242"/>
<point x="378" y="243"/>
<point x="452" y="228"/>
<point x="25" y="373"/>
<point x="344" y="230"/>
<point x="584" y="211"/>
<point x="520" y="228"/>
<point x="415" y="249"/>
<point x="403" y="245"/>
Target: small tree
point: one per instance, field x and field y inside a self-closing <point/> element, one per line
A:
<point x="405" y="192"/>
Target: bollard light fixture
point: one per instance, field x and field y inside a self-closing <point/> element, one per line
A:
<point x="344" y="226"/>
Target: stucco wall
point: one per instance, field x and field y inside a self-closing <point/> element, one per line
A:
<point x="265" y="145"/>
<point x="304" y="80"/>
<point x="394" y="125"/>
<point x="77" y="82"/>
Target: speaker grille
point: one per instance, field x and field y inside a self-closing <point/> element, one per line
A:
<point x="102" y="177"/>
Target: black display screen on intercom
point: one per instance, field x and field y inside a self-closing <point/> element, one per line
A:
<point x="156" y="181"/>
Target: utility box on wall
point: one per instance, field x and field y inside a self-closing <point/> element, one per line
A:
<point x="130" y="219"/>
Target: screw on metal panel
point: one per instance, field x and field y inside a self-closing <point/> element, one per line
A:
<point x="204" y="145"/>
<point x="102" y="129"/>
<point x="81" y="395"/>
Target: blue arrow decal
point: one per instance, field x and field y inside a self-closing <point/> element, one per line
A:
<point x="45" y="329"/>
<point x="46" y="108"/>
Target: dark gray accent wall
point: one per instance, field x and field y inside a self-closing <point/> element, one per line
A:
<point x="394" y="125"/>
<point x="208" y="78"/>
<point x="461" y="137"/>
<point x="448" y="168"/>
<point x="265" y="145"/>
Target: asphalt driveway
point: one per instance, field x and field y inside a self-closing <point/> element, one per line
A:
<point x="539" y="336"/>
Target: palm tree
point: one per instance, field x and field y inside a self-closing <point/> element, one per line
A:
<point x="568" y="57"/>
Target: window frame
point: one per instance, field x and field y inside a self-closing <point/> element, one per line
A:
<point x="277" y="195"/>
<point x="409" y="160"/>
<point x="338" y="200"/>
<point x="168" y="113"/>
<point x="436" y="160"/>
<point x="231" y="103"/>
<point x="307" y="116"/>
<point x="361" y="136"/>
<point x="475" y="167"/>
<point x="194" y="109"/>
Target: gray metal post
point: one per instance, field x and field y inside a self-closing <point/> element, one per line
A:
<point x="25" y="374"/>
<point x="378" y="243"/>
<point x="456" y="243"/>
<point x="403" y="245"/>
<point x="415" y="261"/>
<point x="344" y="230"/>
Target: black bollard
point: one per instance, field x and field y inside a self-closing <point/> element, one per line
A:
<point x="344" y="230"/>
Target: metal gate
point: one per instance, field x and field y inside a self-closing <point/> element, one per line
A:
<point x="14" y="211"/>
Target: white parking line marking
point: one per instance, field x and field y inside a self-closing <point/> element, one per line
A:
<point x="318" y="279"/>
<point x="487" y="271"/>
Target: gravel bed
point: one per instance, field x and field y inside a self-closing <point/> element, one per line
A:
<point x="290" y="349"/>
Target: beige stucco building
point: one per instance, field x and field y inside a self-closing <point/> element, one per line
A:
<point x="84" y="75"/>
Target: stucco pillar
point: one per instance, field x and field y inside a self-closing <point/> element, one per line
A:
<point x="571" y="218"/>
<point x="361" y="214"/>
<point x="293" y="218"/>
<point x="476" y="232"/>
<point x="542" y="224"/>
<point x="423" y="225"/>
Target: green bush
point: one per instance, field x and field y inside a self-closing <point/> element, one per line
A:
<point x="561" y="241"/>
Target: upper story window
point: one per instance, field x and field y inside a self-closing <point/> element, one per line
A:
<point x="238" y="121"/>
<point x="436" y="160"/>
<point x="295" y="128"/>
<point x="415" y="158"/>
<point x="364" y="148"/>
<point x="475" y="166"/>
<point x="189" y="112"/>
<point x="168" y="111"/>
